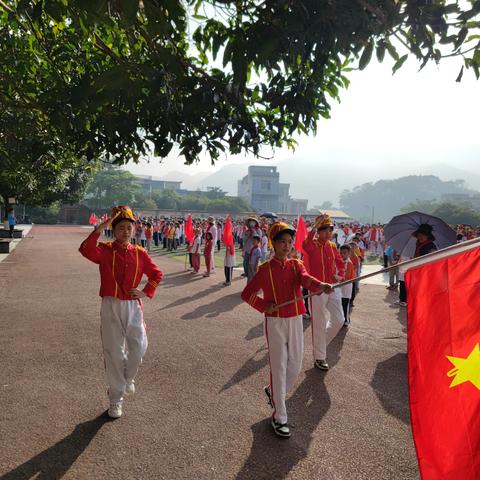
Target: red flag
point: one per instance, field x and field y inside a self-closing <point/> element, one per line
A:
<point x="444" y="365"/>
<point x="301" y="234"/>
<point x="189" y="230"/>
<point x="227" y="237"/>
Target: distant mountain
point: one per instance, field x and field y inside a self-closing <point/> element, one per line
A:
<point x="328" y="175"/>
<point x="226" y="178"/>
<point x="385" y="198"/>
<point x="446" y="172"/>
<point x="189" y="182"/>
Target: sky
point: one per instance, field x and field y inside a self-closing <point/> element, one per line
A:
<point x="400" y="123"/>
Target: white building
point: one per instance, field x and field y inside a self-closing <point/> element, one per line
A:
<point x="262" y="189"/>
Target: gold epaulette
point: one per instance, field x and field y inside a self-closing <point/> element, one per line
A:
<point x="297" y="260"/>
<point x="263" y="265"/>
<point x="139" y="247"/>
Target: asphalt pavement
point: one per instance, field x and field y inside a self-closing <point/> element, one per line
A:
<point x="199" y="411"/>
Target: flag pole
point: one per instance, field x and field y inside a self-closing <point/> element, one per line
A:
<point x="411" y="263"/>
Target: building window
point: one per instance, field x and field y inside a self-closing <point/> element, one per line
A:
<point x="266" y="185"/>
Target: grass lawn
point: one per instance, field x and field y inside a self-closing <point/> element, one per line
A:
<point x="181" y="254"/>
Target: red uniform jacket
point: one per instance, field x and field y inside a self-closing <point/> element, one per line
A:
<point x="207" y="249"/>
<point x="280" y="282"/>
<point x="324" y="261"/>
<point x="350" y="270"/>
<point x="121" y="269"/>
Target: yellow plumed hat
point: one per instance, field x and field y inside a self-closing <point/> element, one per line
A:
<point x="125" y="214"/>
<point x="323" y="221"/>
<point x="277" y="228"/>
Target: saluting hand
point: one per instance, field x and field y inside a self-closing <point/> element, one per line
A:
<point x="107" y="223"/>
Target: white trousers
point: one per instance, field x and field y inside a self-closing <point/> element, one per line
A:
<point x="124" y="341"/>
<point x="285" y="349"/>
<point x="327" y="320"/>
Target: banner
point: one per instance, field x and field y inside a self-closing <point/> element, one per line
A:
<point x="443" y="300"/>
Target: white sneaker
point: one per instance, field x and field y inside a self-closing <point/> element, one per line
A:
<point x="130" y="389"/>
<point x="115" y="410"/>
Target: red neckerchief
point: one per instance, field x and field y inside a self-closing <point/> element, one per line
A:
<point x="419" y="246"/>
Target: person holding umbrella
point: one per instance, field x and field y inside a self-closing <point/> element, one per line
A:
<point x="416" y="234"/>
<point x="424" y="245"/>
<point x="425" y="239"/>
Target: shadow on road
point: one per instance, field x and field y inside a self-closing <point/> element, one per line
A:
<point x="179" y="280"/>
<point x="255" y="332"/>
<point x="192" y="298"/>
<point x="253" y="364"/>
<point x="390" y="383"/>
<point x="54" y="462"/>
<point x="390" y="298"/>
<point x="273" y="457"/>
<point x="215" y="308"/>
<point x="249" y="368"/>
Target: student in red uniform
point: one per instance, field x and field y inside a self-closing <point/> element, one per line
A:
<point x="208" y="253"/>
<point x="195" y="250"/>
<point x="148" y="236"/>
<point x="281" y="279"/>
<point x="122" y="266"/>
<point x="324" y="263"/>
<point x="346" y="290"/>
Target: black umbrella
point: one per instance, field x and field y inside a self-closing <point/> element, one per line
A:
<point x="399" y="231"/>
<point x="269" y="215"/>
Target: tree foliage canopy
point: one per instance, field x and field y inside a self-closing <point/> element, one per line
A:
<point x="455" y="214"/>
<point x="210" y="201"/>
<point x="111" y="186"/>
<point x="36" y="166"/>
<point x="388" y="197"/>
<point x="109" y="79"/>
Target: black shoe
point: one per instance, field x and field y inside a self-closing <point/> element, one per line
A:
<point x="321" y="364"/>
<point x="266" y="389"/>
<point x="281" y="429"/>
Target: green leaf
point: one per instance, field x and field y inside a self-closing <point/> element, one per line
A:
<point x="392" y="50"/>
<point x="462" y="35"/>
<point x="129" y="10"/>
<point x="381" y="51"/>
<point x="460" y="75"/>
<point x="366" y="56"/>
<point x="227" y="54"/>
<point x="399" y="63"/>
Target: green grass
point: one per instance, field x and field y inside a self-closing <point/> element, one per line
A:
<point x="179" y="256"/>
<point x="181" y="252"/>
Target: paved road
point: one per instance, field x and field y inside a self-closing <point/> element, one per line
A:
<point x="199" y="411"/>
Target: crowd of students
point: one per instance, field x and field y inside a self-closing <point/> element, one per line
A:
<point x="281" y="262"/>
<point x="356" y="242"/>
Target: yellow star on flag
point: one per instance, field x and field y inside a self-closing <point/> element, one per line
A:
<point x="466" y="369"/>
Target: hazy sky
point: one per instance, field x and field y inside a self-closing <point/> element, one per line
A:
<point x="423" y="117"/>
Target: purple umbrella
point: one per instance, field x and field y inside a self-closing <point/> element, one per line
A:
<point x="399" y="231"/>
